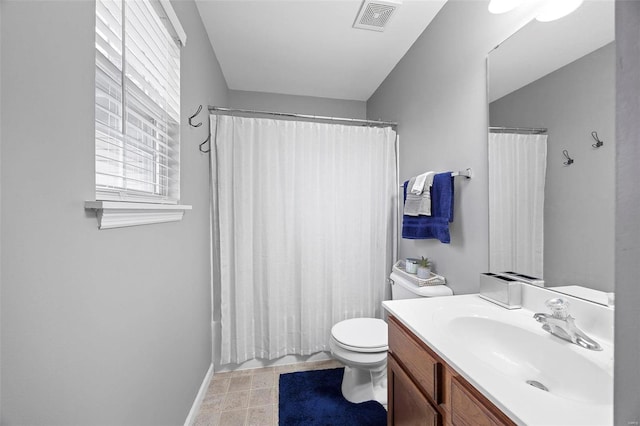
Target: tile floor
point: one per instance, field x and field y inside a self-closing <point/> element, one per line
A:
<point x="248" y="397"/>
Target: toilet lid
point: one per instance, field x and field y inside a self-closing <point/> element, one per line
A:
<point x="361" y="334"/>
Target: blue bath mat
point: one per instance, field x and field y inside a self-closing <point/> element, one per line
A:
<point x="314" y="398"/>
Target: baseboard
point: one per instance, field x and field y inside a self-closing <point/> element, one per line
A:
<point x="199" y="397"/>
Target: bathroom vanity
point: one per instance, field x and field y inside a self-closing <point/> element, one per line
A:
<point x="424" y="389"/>
<point x="462" y="360"/>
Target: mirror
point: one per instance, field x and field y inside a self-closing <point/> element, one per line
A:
<point x="551" y="183"/>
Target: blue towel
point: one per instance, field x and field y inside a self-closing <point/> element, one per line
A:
<point x="436" y="225"/>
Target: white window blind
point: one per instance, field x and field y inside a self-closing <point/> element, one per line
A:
<point x="137" y="103"/>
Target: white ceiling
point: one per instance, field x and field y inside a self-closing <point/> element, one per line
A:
<point x="308" y="47"/>
<point x="542" y="47"/>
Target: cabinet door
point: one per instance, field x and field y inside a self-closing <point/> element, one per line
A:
<point x="417" y="360"/>
<point x="407" y="404"/>
<point x="470" y="408"/>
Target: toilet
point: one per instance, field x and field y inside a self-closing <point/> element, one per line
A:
<point x="361" y="345"/>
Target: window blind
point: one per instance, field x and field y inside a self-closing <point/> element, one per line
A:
<point x="137" y="103"/>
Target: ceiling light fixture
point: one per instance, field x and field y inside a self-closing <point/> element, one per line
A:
<point x="549" y="10"/>
<point x="503" y="6"/>
<point x="556" y="9"/>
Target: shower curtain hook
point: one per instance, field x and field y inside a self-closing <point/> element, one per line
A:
<point x="194" y="116"/>
<point x="569" y="159"/>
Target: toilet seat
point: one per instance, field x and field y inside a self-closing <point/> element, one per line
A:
<point x="361" y="345"/>
<point x="361" y="335"/>
<point x="365" y="360"/>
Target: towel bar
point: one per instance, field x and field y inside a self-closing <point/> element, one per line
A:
<point x="466" y="173"/>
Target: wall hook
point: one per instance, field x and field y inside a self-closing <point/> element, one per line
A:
<point x="208" y="139"/>
<point x="569" y="159"/>
<point x="598" y="143"/>
<point x="194" y="116"/>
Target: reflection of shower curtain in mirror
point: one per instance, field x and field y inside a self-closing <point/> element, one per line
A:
<point x="304" y="213"/>
<point x="517" y="169"/>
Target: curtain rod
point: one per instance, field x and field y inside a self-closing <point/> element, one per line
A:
<point x="214" y="109"/>
<point x="518" y="129"/>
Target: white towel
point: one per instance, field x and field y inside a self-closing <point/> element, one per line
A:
<point x="419" y="203"/>
<point x="412" y="201"/>
<point x="425" y="198"/>
<point x="418" y="185"/>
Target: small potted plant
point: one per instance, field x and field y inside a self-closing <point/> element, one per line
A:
<point x="424" y="268"/>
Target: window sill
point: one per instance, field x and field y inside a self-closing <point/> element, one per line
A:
<point x="118" y="214"/>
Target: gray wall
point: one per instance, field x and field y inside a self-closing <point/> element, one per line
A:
<point x="627" y="313"/>
<point x="437" y="93"/>
<point x="98" y="327"/>
<point x="579" y="232"/>
<point x="297" y="104"/>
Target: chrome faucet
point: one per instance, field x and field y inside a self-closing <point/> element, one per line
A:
<point x="561" y="324"/>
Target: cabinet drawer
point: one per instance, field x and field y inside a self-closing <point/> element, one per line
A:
<point x="470" y="408"/>
<point x="407" y="404"/>
<point x="416" y="359"/>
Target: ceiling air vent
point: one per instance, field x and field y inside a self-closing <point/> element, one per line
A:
<point x="374" y="15"/>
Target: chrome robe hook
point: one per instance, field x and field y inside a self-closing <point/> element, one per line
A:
<point x="598" y="143"/>
<point x="569" y="159"/>
<point x="194" y="116"/>
<point x="208" y="139"/>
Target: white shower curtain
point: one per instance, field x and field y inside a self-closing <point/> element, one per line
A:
<point x="304" y="216"/>
<point x="517" y="169"/>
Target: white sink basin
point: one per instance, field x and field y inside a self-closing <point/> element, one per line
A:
<point x="508" y="357"/>
<point x="525" y="356"/>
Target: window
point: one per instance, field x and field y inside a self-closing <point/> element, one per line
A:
<point x="137" y="101"/>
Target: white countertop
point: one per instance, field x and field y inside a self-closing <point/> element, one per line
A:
<point x="585" y="399"/>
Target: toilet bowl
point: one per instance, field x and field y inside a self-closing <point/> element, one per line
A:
<point x="361" y="345"/>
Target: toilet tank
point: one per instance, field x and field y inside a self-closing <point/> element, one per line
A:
<point x="403" y="288"/>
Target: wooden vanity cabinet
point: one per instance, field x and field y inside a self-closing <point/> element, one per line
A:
<point x="423" y="390"/>
<point x="469" y="407"/>
<point x="407" y="404"/>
